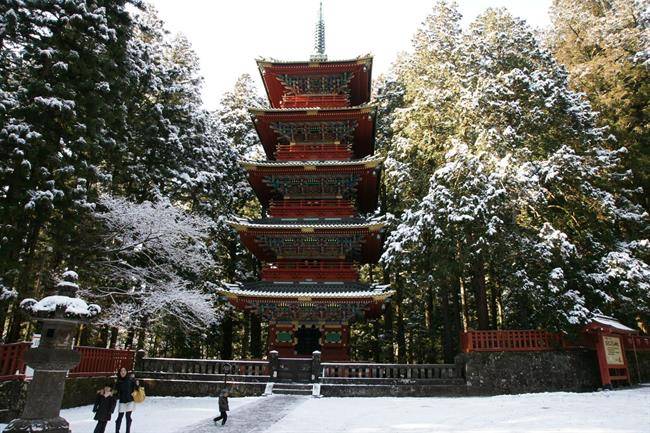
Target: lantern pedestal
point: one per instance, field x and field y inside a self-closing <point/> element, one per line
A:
<point x="60" y="315"/>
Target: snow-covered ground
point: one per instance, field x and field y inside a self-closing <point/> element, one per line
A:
<point x="626" y="411"/>
<point x="155" y="415"/>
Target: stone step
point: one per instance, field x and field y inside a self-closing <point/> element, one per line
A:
<point x="290" y="391"/>
<point x="292" y="388"/>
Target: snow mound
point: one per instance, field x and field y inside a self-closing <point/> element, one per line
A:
<point x="73" y="307"/>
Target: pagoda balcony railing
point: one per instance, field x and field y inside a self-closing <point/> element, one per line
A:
<point x="297" y="208"/>
<point x="313" y="152"/>
<point x="315" y="271"/>
<point x="309" y="100"/>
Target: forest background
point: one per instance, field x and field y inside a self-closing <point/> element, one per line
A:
<point x="513" y="186"/>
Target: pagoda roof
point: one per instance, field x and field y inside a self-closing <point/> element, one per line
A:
<point x="360" y="68"/>
<point x="364" y="191"/>
<point x="301" y="240"/>
<point x="270" y="61"/>
<point x="308" y="224"/>
<point x="367" y="162"/>
<point x="363" y="142"/>
<point x="307" y="289"/>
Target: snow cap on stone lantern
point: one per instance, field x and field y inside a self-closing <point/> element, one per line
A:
<point x="64" y="305"/>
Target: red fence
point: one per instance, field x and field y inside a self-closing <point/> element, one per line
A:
<point x="12" y="366"/>
<point x="95" y="361"/>
<point x="638" y="342"/>
<point x="531" y="340"/>
<point x="510" y="341"/>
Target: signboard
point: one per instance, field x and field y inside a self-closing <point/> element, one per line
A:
<point x="613" y="350"/>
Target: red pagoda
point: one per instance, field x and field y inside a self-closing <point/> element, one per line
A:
<point x="319" y="179"/>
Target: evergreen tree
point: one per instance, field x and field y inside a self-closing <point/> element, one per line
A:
<point x="605" y="46"/>
<point x="62" y="76"/>
<point x="526" y="212"/>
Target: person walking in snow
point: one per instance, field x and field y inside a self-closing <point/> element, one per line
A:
<point x="124" y="386"/>
<point x="104" y="408"/>
<point x="223" y="407"/>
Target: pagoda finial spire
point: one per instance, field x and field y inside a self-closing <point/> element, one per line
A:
<point x="319" y="38"/>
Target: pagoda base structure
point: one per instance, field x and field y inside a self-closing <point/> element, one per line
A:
<point x="300" y="340"/>
<point x="304" y="317"/>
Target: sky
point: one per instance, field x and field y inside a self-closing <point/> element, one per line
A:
<point x="229" y="35"/>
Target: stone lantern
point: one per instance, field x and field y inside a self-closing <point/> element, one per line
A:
<point x="59" y="315"/>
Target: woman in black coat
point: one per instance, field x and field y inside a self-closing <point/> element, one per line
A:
<point x="124" y="387"/>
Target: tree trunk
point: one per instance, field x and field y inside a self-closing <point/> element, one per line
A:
<point x="256" y="337"/>
<point x="388" y="333"/>
<point x="142" y="333"/>
<point x="130" y="335"/>
<point x="401" y="334"/>
<point x="376" y="346"/>
<point x="245" y="344"/>
<point x="456" y="316"/>
<point x="103" y="337"/>
<point x="430" y="355"/>
<point x="4" y="308"/>
<point x="13" y="334"/>
<point x="226" y="338"/>
<point x="480" y="294"/>
<point x="448" y="325"/>
<point x="113" y="342"/>
<point x="84" y="335"/>
<point x="494" y="310"/>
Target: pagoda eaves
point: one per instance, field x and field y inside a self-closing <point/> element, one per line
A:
<point x="351" y="78"/>
<point x="352" y="126"/>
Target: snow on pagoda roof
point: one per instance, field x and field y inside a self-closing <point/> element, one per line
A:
<point x="611" y="322"/>
<point x="308" y="289"/>
<point x="368" y="162"/>
<point x="266" y="61"/>
<point x="366" y="108"/>
<point x="308" y="225"/>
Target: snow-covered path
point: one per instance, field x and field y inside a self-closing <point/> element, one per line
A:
<point x="625" y="411"/>
<point x="255" y="417"/>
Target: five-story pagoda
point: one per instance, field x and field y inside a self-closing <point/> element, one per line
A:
<point x="319" y="178"/>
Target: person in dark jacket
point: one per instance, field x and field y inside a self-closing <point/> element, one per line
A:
<point x="223" y="407"/>
<point x="104" y="408"/>
<point x="124" y="387"/>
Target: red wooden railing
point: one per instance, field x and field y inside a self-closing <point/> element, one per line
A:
<point x="96" y="362"/>
<point x="316" y="271"/>
<point x="315" y="100"/>
<point x="12" y="366"/>
<point x="291" y="208"/>
<point x="510" y="341"/>
<point x="313" y="152"/>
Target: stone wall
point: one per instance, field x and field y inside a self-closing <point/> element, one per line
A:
<point x="194" y="388"/>
<point x="12" y="399"/>
<point x="361" y="390"/>
<point x="489" y="373"/>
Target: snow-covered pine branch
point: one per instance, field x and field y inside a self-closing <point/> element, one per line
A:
<point x="156" y="259"/>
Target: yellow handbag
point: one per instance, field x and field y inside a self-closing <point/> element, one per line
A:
<point x="139" y="395"/>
